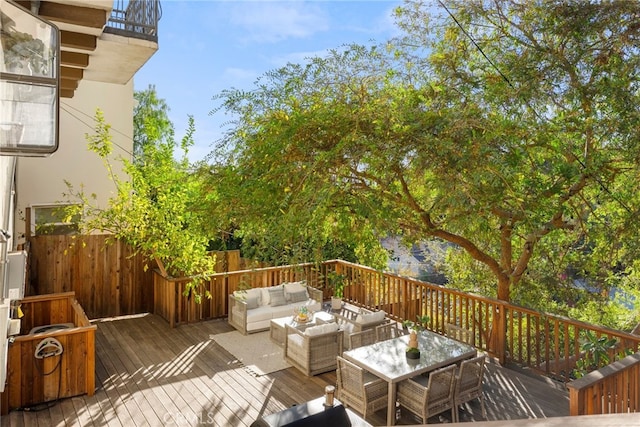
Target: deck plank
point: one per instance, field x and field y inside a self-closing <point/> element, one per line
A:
<point x="148" y="374"/>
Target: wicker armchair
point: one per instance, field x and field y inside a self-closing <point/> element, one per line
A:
<point x="312" y="354"/>
<point x="359" y="339"/>
<point x="388" y="331"/>
<point x="360" y="389"/>
<point x="468" y="384"/>
<point x="431" y="399"/>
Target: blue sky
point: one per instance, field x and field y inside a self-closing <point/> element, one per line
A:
<point x="207" y="46"/>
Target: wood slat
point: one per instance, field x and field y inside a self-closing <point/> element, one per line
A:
<point x="74" y="59"/>
<point x="70" y="39"/>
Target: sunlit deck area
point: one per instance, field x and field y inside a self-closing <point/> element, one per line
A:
<point x="149" y="374"/>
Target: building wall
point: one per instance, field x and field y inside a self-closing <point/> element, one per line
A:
<point x="42" y="180"/>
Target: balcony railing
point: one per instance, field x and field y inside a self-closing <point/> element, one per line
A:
<point x="135" y="18"/>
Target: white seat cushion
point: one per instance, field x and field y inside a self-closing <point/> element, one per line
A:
<point x="259" y="313"/>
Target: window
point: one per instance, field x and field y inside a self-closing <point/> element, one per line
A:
<point x="53" y="219"/>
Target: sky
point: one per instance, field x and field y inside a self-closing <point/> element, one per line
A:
<point x="206" y="46"/>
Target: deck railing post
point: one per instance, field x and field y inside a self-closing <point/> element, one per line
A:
<point x="499" y="333"/>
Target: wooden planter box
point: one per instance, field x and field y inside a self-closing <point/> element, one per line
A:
<point x="70" y="374"/>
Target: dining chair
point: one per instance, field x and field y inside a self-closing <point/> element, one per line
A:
<point x="359" y="389"/>
<point x="468" y="384"/>
<point x="458" y="333"/>
<point x="362" y="338"/>
<point x="388" y="331"/>
<point x="432" y="398"/>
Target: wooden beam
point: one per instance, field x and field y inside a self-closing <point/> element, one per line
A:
<point x="68" y="84"/>
<point x="77" y="40"/>
<point x="66" y="93"/>
<point x="70" y="14"/>
<point x="68" y="73"/>
<point x="74" y="59"/>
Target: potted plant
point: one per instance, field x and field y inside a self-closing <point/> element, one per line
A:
<point x="336" y="282"/>
<point x="413" y="351"/>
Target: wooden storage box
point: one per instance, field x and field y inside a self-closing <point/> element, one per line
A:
<point x="31" y="380"/>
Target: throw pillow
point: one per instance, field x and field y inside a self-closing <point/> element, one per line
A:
<point x="264" y="296"/>
<point x="299" y="296"/>
<point x="276" y="297"/>
<point x="293" y="287"/>
<point x="252" y="302"/>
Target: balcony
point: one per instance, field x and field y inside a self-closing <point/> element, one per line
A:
<point x="135" y="18"/>
<point x="100" y="40"/>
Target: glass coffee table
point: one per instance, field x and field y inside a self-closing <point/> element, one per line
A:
<point x="277" y="326"/>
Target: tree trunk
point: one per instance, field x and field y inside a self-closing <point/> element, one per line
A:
<point x="504" y="288"/>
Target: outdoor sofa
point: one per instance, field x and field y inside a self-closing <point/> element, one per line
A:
<point x="251" y="310"/>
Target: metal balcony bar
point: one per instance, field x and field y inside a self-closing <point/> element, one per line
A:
<point x="135" y="18"/>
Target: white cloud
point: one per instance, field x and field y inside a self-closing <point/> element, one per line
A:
<point x="296" y="57"/>
<point x="270" y="22"/>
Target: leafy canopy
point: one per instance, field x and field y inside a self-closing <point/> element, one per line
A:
<point x="509" y="131"/>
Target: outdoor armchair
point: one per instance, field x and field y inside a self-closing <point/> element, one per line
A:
<point x="313" y="350"/>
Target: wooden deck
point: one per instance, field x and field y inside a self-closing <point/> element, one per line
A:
<point x="150" y="375"/>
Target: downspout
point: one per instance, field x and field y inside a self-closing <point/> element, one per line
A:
<point x="35" y="7"/>
<point x="7" y="171"/>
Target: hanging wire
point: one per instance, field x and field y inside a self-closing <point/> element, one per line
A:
<point x="90" y="126"/>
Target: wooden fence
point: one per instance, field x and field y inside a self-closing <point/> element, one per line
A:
<point x="108" y="279"/>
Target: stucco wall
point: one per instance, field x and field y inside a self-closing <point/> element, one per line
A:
<point x="41" y="180"/>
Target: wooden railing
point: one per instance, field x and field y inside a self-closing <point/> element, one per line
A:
<point x="545" y="343"/>
<point x="613" y="389"/>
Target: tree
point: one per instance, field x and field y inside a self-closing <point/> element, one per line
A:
<point x="509" y="131"/>
<point x="156" y="208"/>
<point x="151" y="122"/>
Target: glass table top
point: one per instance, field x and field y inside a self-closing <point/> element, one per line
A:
<point x="387" y="359"/>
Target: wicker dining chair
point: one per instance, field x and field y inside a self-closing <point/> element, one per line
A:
<point x="468" y="384"/>
<point x="458" y="333"/>
<point x="388" y="331"/>
<point x="359" y="389"/>
<point x="432" y="398"/>
<point x="362" y="338"/>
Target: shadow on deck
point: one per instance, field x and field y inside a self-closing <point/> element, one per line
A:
<point x="149" y="374"/>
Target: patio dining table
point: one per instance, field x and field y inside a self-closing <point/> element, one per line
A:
<point x="387" y="360"/>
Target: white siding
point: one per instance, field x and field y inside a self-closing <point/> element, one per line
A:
<point x="41" y="180"/>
